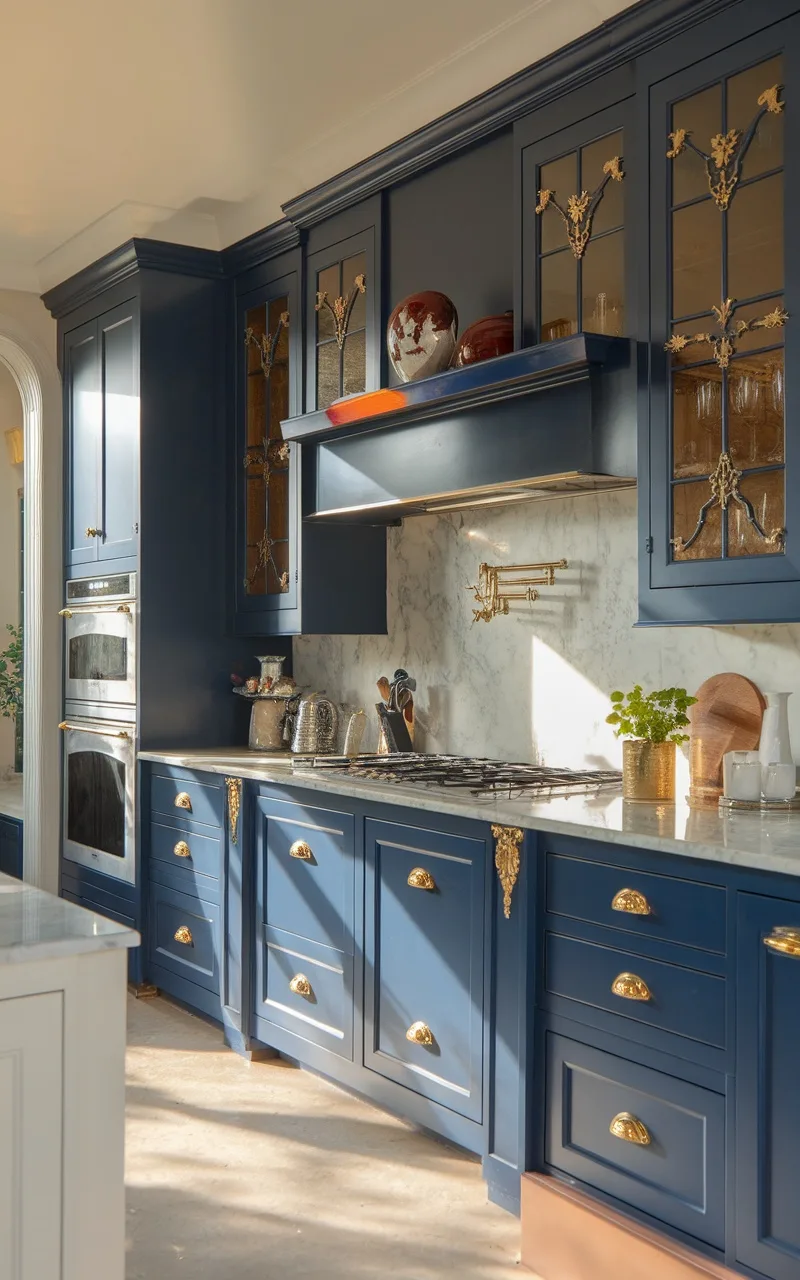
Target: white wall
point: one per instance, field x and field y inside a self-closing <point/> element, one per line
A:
<point x="10" y="484"/>
<point x="533" y="685"/>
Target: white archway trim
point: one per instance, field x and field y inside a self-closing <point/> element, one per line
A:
<point x="37" y="378"/>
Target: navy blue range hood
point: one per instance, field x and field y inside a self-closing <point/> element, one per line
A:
<point x="555" y="419"/>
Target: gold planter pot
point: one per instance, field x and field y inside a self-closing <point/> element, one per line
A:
<point x="648" y="771"/>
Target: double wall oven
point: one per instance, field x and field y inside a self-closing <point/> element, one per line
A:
<point x="99" y="726"/>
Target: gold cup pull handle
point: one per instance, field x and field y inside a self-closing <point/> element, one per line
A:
<point x="631" y="987"/>
<point x="124" y="608"/>
<point x="784" y="939"/>
<point x="630" y="1129"/>
<point x="183" y="934"/>
<point x="183" y="801"/>
<point x="419" y="878"/>
<point x="300" y="985"/>
<point x="419" y="1033"/>
<point x="301" y="850"/>
<point x="182" y="850"/>
<point x="632" y="901"/>
<point x="65" y="613"/>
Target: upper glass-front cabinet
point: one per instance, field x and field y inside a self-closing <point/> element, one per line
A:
<point x="721" y="391"/>
<point x="574" y="186"/>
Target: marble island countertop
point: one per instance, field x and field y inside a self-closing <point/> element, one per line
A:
<point x="11" y="798"/>
<point x="35" y="925"/>
<point x="764" y="841"/>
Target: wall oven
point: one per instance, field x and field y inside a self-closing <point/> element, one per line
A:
<point x="100" y="646"/>
<point x="99" y="795"/>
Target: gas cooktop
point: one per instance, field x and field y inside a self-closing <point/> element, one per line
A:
<point x="469" y="773"/>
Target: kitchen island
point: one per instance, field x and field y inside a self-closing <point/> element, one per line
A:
<point x="62" y="1088"/>
<point x="584" y="992"/>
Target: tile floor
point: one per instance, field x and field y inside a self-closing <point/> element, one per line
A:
<point x="265" y="1172"/>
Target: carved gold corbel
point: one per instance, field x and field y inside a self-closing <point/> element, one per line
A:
<point x="233" y="786"/>
<point x="506" y="860"/>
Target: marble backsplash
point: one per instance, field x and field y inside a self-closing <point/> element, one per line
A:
<point x="533" y="685"/>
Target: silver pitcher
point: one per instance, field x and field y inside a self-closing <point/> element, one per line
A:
<point x="316" y="724"/>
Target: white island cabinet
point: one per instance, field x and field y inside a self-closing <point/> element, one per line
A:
<point x="63" y="974"/>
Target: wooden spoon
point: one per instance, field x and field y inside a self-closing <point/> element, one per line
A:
<point x="385" y="689"/>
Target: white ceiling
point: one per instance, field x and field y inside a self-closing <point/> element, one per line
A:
<point x="193" y="120"/>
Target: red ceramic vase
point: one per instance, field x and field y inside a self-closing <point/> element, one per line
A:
<point x="421" y="335"/>
<point x="486" y="338"/>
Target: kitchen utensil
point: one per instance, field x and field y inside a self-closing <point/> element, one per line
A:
<point x="778" y="781"/>
<point x="384" y="689"/>
<point x="726" y="717"/>
<point x="775" y="746"/>
<point x="314" y="725"/>
<point x="741" y="774"/>
<point x="394" y="728"/>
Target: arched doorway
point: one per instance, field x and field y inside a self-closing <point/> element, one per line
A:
<point x="39" y="385"/>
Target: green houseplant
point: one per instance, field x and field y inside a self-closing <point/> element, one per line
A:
<point x="11" y="686"/>
<point x="652" y="724"/>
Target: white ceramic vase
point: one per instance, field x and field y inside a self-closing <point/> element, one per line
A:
<point x="775" y="746"/>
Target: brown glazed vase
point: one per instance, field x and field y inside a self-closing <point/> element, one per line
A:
<point x="486" y="338"/>
<point x="648" y="771"/>
<point x="421" y="335"/>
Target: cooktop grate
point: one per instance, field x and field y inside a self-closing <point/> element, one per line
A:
<point x="481" y="777"/>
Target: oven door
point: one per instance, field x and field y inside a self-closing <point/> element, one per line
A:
<point x="99" y="780"/>
<point x="101" y="654"/>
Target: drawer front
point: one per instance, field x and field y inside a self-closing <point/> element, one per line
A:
<point x="307" y="989"/>
<point x="187" y="798"/>
<point x="186" y="850"/>
<point x="194" y="953"/>
<point x="309" y="872"/>
<point x="424" y="962"/>
<point x="675" y="1172"/>
<point x="680" y="1000"/>
<point x="679" y="911"/>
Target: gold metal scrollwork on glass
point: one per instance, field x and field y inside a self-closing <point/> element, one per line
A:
<point x="724" y="484"/>
<point x="728" y="150"/>
<point x="234" y="790"/>
<point x="506" y="860"/>
<point x="265" y="557"/>
<point x="342" y="308"/>
<point x="270" y="455"/>
<point x="267" y="343"/>
<point x="581" y="208"/>
<point x="723" y="344"/>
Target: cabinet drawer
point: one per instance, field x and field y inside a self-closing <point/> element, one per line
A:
<point x="309" y="872"/>
<point x="186" y="850"/>
<point x="195" y="959"/>
<point x="308" y="989"/>
<point x="677" y="1176"/>
<point x="680" y="1000"/>
<point x="424" y="952"/>
<point x="680" y="911"/>
<point x="187" y="798"/>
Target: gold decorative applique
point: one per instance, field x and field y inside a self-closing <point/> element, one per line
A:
<point x="233" y="787"/>
<point x="723" y="344"/>
<point x="506" y="860"/>
<point x="342" y="308"/>
<point x="581" y="208"/>
<point x="724" y="485"/>
<point x="267" y="343"/>
<point x="725" y="158"/>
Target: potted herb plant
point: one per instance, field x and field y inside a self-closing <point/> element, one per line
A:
<point x="11" y="686"/>
<point x="652" y="724"/>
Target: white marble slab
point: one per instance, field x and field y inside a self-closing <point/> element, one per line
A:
<point x="35" y="925"/>
<point x="768" y="842"/>
<point x="11" y="798"/>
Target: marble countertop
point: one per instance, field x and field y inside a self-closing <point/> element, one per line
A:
<point x="35" y="925"/>
<point x="766" y="842"/>
<point x="11" y="798"/>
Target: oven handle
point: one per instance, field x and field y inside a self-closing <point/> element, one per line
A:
<point x="70" y="613"/>
<point x="65" y="727"/>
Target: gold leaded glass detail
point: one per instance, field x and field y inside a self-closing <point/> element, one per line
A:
<point x="581" y="208"/>
<point x="725" y="158"/>
<point x="724" y="485"/>
<point x="341" y="308"/>
<point x="723" y="344"/>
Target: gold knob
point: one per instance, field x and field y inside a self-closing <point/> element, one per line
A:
<point x="65" y="613"/>
<point x="301" y="850"/>
<point x="784" y="939"/>
<point x="419" y="1033"/>
<point x="182" y="850"/>
<point x="183" y="801"/>
<point x="419" y="878"/>
<point x="632" y="901"/>
<point x="300" y="985"/>
<point x="630" y="987"/>
<point x="91" y="532"/>
<point x="123" y="608"/>
<point x="629" y="1129"/>
<point x="183" y="934"/>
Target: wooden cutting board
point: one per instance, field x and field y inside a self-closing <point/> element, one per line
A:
<point x="726" y="717"/>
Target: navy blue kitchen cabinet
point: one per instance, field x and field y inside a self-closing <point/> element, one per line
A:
<point x="101" y="397"/>
<point x="719" y="502"/>
<point x="11" y="847"/>
<point x="768" y="1098"/>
